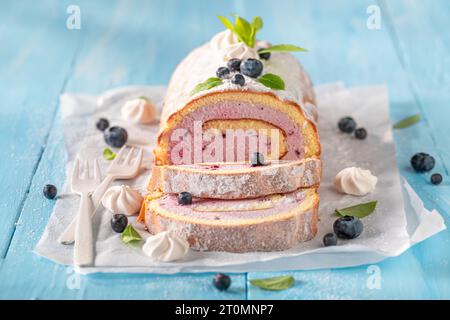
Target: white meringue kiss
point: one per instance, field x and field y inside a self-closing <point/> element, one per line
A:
<point x="355" y="181"/>
<point x="138" y="111"/>
<point x="166" y="246"/>
<point x="122" y="199"/>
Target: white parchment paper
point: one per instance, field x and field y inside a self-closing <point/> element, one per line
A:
<point x="399" y="221"/>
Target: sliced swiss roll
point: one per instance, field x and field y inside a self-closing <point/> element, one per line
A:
<point x="224" y="101"/>
<point x="229" y="102"/>
<point x="270" y="223"/>
<point x="237" y="180"/>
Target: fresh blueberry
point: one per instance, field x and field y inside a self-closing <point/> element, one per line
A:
<point x="329" y="239"/>
<point x="252" y="68"/>
<point x="116" y="136"/>
<point x="347" y="125"/>
<point x="234" y="64"/>
<point x="360" y="133"/>
<point x="223" y="73"/>
<point x="238" y="79"/>
<point x="119" y="222"/>
<point x="348" y="227"/>
<point x="436" y="178"/>
<point x="257" y="159"/>
<point x="50" y="191"/>
<point x="184" y="198"/>
<point x="422" y="162"/>
<point x="265" y="56"/>
<point x="102" y="124"/>
<point x="221" y="281"/>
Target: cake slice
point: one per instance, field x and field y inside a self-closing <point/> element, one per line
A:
<point x="237" y="180"/>
<point x="270" y="223"/>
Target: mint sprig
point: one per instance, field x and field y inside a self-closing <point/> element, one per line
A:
<point x="274" y="284"/>
<point x="130" y="235"/>
<point x="272" y="81"/>
<point x="207" y="84"/>
<point x="360" y="211"/>
<point x="246" y="33"/>
<point x="244" y="30"/>
<point x="282" y="48"/>
<point x="108" y="154"/>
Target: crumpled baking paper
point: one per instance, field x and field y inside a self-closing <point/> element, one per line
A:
<point x="399" y="221"/>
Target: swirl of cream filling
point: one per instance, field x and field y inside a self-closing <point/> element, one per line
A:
<point x="122" y="199"/>
<point x="355" y="181"/>
<point x="227" y="44"/>
<point x="139" y="111"/>
<point x="166" y="246"/>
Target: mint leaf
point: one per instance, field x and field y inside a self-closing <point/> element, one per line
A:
<point x="282" y="48"/>
<point x="272" y="81"/>
<point x="257" y="23"/>
<point x="207" y="84"/>
<point x="243" y="30"/>
<point x="274" y="284"/>
<point x="130" y="235"/>
<point x="144" y="98"/>
<point x="227" y="23"/>
<point x="407" y="122"/>
<point x="108" y="154"/>
<point x="360" y="211"/>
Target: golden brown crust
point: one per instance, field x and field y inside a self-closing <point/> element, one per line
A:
<point x="155" y="179"/>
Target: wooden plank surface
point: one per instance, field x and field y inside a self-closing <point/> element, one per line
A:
<point x="112" y="52"/>
<point x="140" y="42"/>
<point x="358" y="55"/>
<point x="427" y="69"/>
<point x="29" y="94"/>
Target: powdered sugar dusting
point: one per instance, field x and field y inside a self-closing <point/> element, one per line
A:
<point x="203" y="62"/>
<point x="213" y="183"/>
<point x="275" y="235"/>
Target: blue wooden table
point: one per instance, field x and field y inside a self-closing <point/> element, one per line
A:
<point x="140" y="42"/>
